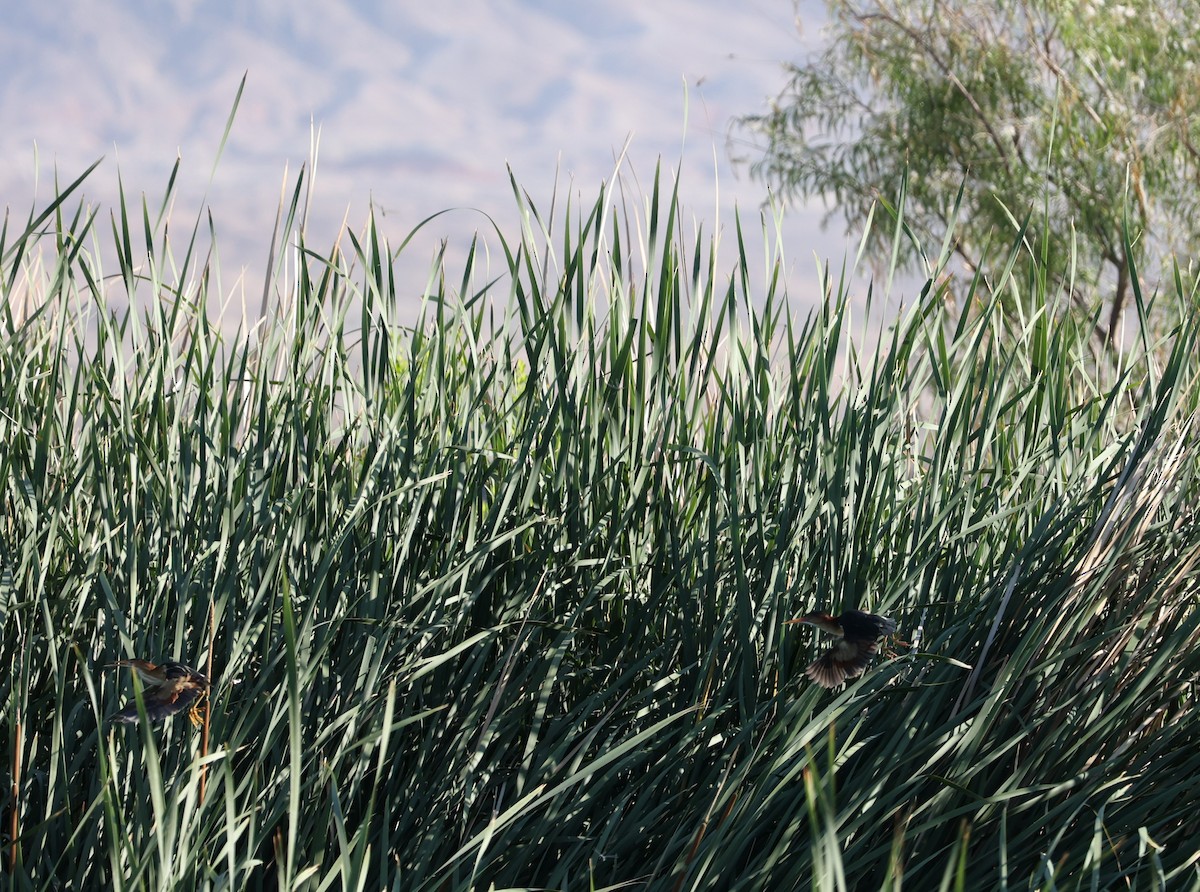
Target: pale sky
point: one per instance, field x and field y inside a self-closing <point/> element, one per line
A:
<point x="420" y="108"/>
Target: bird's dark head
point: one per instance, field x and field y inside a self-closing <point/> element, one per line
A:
<point x="826" y="622"/>
<point x="160" y="673"/>
<point x="144" y="668"/>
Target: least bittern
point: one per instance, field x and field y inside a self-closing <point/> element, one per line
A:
<point x="167" y="689"/>
<point x="858" y="633"/>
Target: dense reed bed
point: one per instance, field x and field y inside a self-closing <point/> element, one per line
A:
<point x="496" y="600"/>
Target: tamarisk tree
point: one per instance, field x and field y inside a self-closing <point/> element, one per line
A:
<point x="1083" y="112"/>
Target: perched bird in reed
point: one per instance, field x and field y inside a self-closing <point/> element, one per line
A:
<point x="167" y="689"/>
<point x="858" y="635"/>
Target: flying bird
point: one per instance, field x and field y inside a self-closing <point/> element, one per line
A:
<point x="858" y="635"/>
<point x="167" y="689"/>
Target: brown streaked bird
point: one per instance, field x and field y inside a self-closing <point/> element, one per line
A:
<point x="167" y="689"/>
<point x="858" y="635"/>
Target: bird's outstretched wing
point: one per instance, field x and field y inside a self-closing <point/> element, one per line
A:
<point x="161" y="704"/>
<point x="847" y="658"/>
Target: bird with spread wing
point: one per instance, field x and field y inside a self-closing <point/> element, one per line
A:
<point x="167" y="689"/>
<point x="858" y="635"/>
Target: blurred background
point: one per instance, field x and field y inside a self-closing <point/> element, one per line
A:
<point x="416" y="108"/>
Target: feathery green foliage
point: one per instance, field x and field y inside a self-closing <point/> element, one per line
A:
<point x="1059" y="107"/>
<point x="497" y="598"/>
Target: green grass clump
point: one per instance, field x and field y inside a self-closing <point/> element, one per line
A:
<point x="496" y="600"/>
